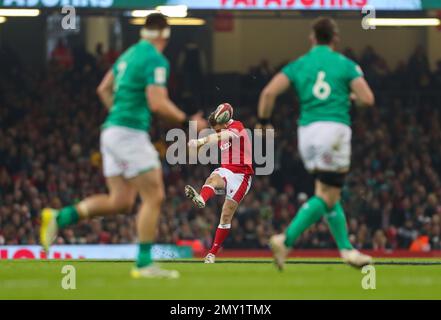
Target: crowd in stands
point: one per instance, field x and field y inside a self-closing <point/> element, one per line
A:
<point x="49" y="156"/>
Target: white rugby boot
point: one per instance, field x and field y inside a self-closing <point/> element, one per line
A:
<point x="192" y="194"/>
<point x="280" y="251"/>
<point x="154" y="271"/>
<point x="210" y="258"/>
<point x="355" y="258"/>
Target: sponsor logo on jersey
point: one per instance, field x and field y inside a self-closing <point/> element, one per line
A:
<point x="225" y="146"/>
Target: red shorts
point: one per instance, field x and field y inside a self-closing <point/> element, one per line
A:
<point x="237" y="185"/>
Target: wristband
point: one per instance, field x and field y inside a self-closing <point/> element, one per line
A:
<point x="202" y="141"/>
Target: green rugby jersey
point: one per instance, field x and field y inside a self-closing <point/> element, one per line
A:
<point x="138" y="67"/>
<point x="322" y="80"/>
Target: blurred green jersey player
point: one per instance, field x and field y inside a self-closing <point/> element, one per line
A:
<point x="132" y="90"/>
<point x="140" y="66"/>
<point x="325" y="81"/>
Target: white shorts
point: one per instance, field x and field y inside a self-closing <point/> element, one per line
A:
<point x="237" y="185"/>
<point x="127" y="152"/>
<point x="325" y="146"/>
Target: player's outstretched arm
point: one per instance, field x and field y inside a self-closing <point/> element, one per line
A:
<point x="161" y="104"/>
<point x="267" y="99"/>
<point x="224" y="135"/>
<point x="362" y="93"/>
<point x="105" y="90"/>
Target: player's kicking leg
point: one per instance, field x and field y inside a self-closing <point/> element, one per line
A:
<point x="222" y="231"/>
<point x="213" y="182"/>
<point x="239" y="184"/>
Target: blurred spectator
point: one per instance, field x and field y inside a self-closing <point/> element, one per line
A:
<point x="62" y="55"/>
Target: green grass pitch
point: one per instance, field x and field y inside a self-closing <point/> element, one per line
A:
<point x="232" y="279"/>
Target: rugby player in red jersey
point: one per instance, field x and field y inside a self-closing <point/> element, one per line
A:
<point x="233" y="176"/>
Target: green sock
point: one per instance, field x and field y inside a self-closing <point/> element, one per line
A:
<point x="337" y="224"/>
<point x="308" y="214"/>
<point x="144" y="255"/>
<point x="67" y="216"/>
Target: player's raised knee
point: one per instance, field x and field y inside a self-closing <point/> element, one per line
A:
<point x="210" y="180"/>
<point x="215" y="181"/>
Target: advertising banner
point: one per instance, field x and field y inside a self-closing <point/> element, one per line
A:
<point x="226" y="4"/>
<point x="431" y="4"/>
<point x="301" y="4"/>
<point x="90" y="4"/>
<point x="101" y="252"/>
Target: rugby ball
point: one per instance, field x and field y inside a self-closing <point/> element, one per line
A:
<point x="223" y="113"/>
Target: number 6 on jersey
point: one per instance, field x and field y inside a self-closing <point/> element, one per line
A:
<point x="321" y="89"/>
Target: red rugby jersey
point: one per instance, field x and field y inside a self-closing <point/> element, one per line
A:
<point x="236" y="154"/>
